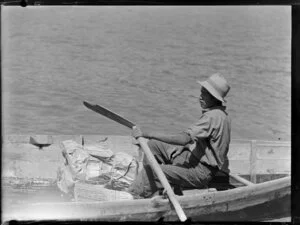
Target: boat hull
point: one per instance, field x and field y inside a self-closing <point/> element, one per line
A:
<point x="23" y="159"/>
<point x="215" y="206"/>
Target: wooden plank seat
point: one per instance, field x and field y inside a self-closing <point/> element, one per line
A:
<point x="220" y="182"/>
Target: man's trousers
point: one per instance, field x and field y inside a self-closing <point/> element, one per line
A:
<point x="184" y="171"/>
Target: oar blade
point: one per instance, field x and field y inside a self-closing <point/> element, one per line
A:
<point x="109" y="114"/>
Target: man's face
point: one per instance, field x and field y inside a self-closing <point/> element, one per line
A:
<point x="205" y="98"/>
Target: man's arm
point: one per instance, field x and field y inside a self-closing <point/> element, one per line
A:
<point x="174" y="139"/>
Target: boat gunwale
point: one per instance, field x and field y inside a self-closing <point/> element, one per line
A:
<point x="219" y="201"/>
<point x="283" y="182"/>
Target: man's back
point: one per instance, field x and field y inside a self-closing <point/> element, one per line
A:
<point x="211" y="133"/>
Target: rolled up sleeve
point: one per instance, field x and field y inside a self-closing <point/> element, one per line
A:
<point x="201" y="129"/>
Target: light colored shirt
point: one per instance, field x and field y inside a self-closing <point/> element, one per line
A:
<point x="211" y="136"/>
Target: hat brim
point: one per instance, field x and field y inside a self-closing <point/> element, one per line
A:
<point x="211" y="90"/>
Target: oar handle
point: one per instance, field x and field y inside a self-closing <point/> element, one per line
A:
<point x="162" y="178"/>
<point x="241" y="179"/>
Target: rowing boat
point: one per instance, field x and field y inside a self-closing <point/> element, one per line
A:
<point x="258" y="188"/>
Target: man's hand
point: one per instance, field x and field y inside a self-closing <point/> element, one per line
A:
<point x="136" y="132"/>
<point x="177" y="152"/>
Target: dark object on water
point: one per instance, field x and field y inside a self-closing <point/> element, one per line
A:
<point x="41" y="141"/>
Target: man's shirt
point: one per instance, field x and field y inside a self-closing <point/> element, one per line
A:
<point x="211" y="136"/>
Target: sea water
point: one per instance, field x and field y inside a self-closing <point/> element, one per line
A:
<point x="143" y="63"/>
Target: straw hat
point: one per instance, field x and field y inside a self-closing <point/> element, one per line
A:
<point x="217" y="86"/>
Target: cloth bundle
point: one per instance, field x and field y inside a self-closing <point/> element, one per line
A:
<point x="95" y="164"/>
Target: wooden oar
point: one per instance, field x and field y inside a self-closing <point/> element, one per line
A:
<point x="153" y="163"/>
<point x="241" y="179"/>
<point x="162" y="178"/>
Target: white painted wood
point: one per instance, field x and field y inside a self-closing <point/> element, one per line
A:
<point x="253" y="161"/>
<point x="272" y="156"/>
<point x="273" y="152"/>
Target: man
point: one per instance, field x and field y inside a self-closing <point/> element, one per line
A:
<point x="190" y="159"/>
